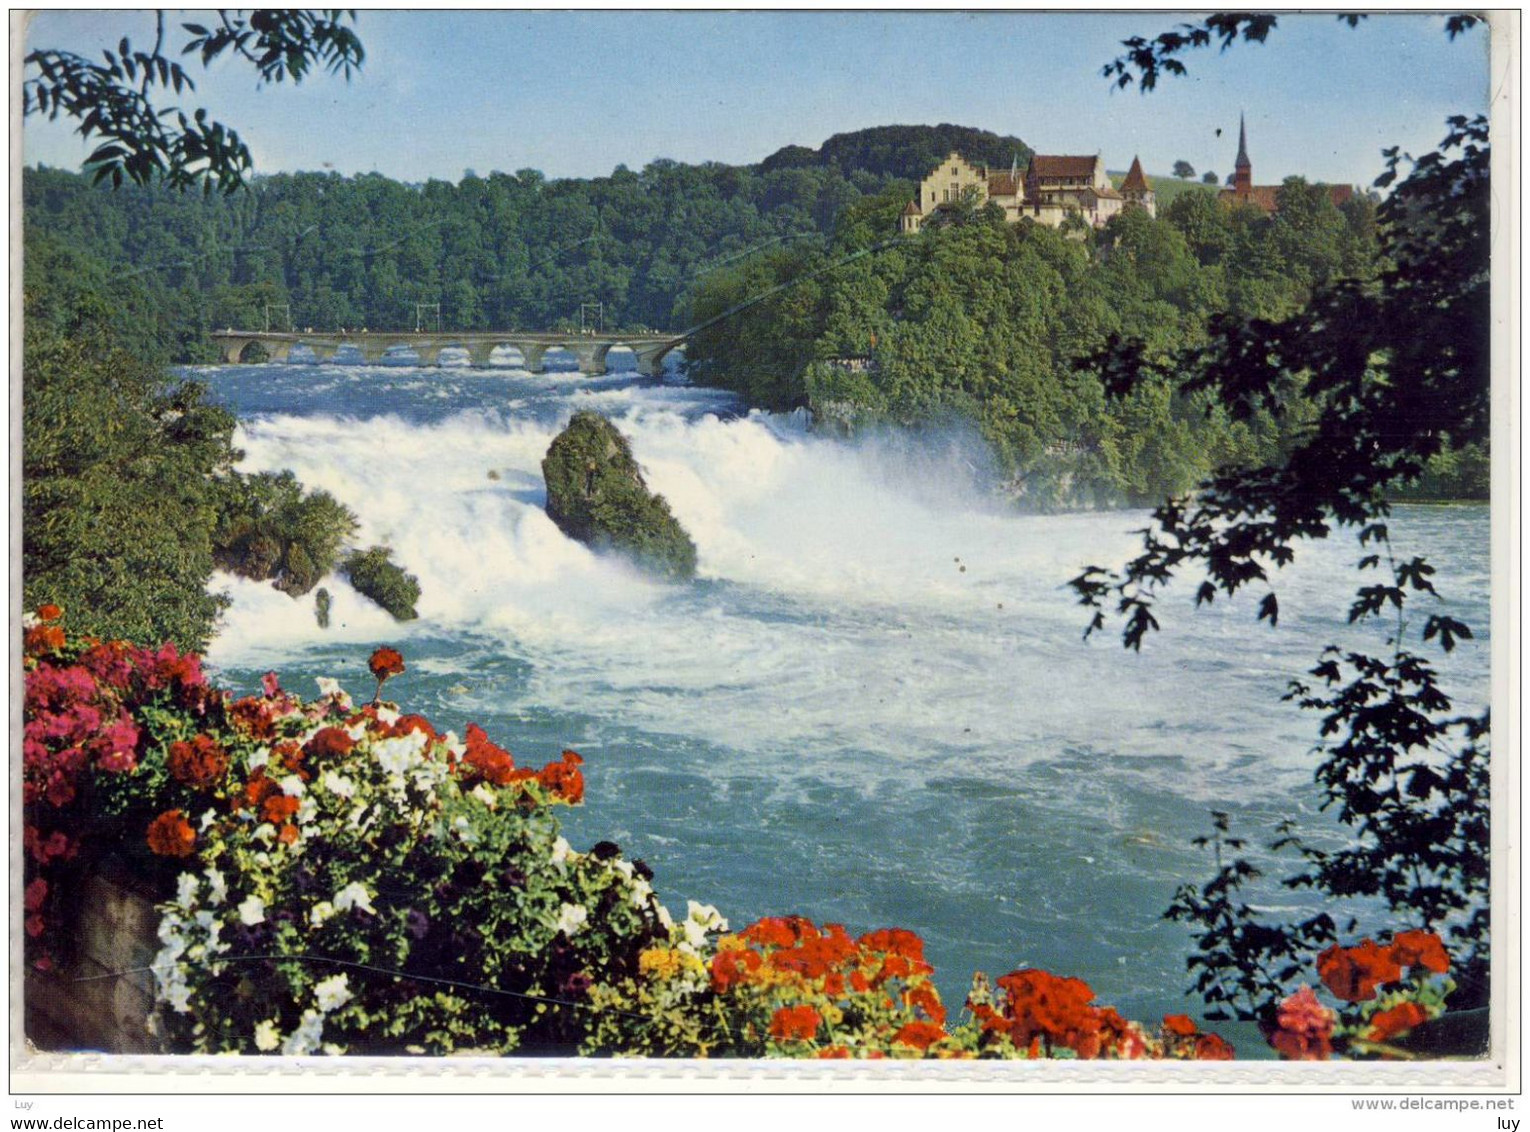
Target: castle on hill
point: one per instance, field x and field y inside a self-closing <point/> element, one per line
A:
<point x="1243" y="191"/>
<point x="1052" y="188"/>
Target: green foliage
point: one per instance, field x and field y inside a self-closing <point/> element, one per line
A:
<point x="268" y="527"/>
<point x="375" y="575"/>
<point x="1184" y="170"/>
<point x="907" y="152"/>
<point x="143" y="142"/>
<point x="118" y="492"/>
<point x="596" y="494"/>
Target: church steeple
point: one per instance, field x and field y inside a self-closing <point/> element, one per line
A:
<point x="1243" y="169"/>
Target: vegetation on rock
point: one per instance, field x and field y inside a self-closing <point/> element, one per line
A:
<point x="596" y="494"/>
<point x="268" y="527"/>
<point x="374" y="574"/>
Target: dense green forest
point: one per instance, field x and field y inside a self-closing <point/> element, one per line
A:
<point x="985" y="321"/>
<point x="970" y="320"/>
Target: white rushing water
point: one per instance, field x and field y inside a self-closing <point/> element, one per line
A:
<point x="873" y="706"/>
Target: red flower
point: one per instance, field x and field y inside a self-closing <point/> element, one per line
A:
<point x="1354" y="973"/>
<point x="1387" y="1024"/>
<point x="486" y="760"/>
<point x="35" y="894"/>
<point x="287" y="834"/>
<point x="200" y="763"/>
<point x="833" y="1053"/>
<point x="1209" y="1047"/>
<point x="730" y="968"/>
<point x="1305" y="1028"/>
<point x="253" y="716"/>
<point x="1179" y="1025"/>
<point x="924" y="997"/>
<point x="43" y="639"/>
<point x="895" y="941"/>
<point x="920" y="1035"/>
<point x="1043" y="1005"/>
<point x="564" y="779"/>
<point x="778" y="931"/>
<point x="49" y="612"/>
<point x="329" y="743"/>
<point x="1420" y="949"/>
<point x="386" y="662"/>
<point x="171" y="835"/>
<point x="795" y="1023"/>
<point x="278" y="808"/>
<point x="409" y="724"/>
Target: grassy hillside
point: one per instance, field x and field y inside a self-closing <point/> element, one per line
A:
<point x="1167" y="188"/>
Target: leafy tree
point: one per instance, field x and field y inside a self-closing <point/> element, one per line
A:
<point x="141" y="141"/>
<point x="1396" y="368"/>
<point x="1184" y="170"/>
<point x="1208" y="178"/>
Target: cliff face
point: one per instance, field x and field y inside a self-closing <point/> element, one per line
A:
<point x="596" y="494"/>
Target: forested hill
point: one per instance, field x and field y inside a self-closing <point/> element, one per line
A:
<point x="496" y="252"/>
<point x="907" y="152"/>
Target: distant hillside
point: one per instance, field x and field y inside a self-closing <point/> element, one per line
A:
<point x="908" y="152"/>
<point x="1167" y="188"/>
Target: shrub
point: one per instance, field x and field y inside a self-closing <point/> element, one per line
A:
<point x="374" y="574"/>
<point x="268" y="527"/>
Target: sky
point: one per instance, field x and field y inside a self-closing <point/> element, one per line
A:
<point x="574" y="94"/>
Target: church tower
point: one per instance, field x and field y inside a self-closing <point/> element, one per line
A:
<point x="1243" y="170"/>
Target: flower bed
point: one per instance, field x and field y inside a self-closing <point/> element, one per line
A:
<point x="334" y="877"/>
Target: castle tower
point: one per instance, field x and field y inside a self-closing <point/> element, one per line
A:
<point x="1138" y="190"/>
<point x="1243" y="170"/>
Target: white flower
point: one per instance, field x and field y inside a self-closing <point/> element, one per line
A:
<point x="332" y="993"/>
<point x="387" y="715"/>
<point x="208" y="818"/>
<point x="178" y="995"/>
<point x="338" y="784"/>
<point x="212" y="926"/>
<point x="665" y="918"/>
<point x="267" y="1036"/>
<point x="331" y="687"/>
<point x="399" y="754"/>
<point x="699" y="920"/>
<point x="292" y="786"/>
<point x="354" y="895"/>
<point x="217" y="887"/>
<point x="571" y="918"/>
<point x="260" y="758"/>
<point x="485" y="794"/>
<point x="186" y="886"/>
<point x="320" y="912"/>
<point x="305" y="1039"/>
<point x="560" y="851"/>
<point x="252" y="911"/>
<point x="465" y="830"/>
<point x="640" y="892"/>
<point x="307" y="810"/>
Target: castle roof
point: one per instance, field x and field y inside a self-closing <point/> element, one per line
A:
<point x="911" y="209"/>
<point x="1107" y="193"/>
<point x="1263" y="197"/>
<point x="1003" y="185"/>
<point x="1064" y="166"/>
<point x="1135" y="181"/>
<point x="1242" y="162"/>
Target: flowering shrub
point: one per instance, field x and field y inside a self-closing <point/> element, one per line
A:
<point x="339" y="878"/>
<point x="1386" y="992"/>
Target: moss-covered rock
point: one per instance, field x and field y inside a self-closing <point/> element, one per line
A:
<point x="596" y="494"/>
<point x="375" y="575"/>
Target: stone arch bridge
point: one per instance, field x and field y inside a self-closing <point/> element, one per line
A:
<point x="590" y="349"/>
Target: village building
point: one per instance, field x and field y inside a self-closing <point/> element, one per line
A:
<point x="1052" y="188"/>
<point x="1243" y="191"/>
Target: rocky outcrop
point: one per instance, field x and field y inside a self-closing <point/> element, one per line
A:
<point x="596" y="494"/>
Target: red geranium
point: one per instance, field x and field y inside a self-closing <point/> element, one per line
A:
<point x="329" y="743"/>
<point x="1354" y="973"/>
<point x="200" y="763"/>
<point x="386" y="662"/>
<point x="920" y="1035"/>
<point x="1420" y="949"/>
<point x="171" y="835"/>
<point x="1387" y="1024"/>
<point x="564" y="779"/>
<point x="795" y="1023"/>
<point x="1179" y="1025"/>
<point x="1305" y="1027"/>
<point x="730" y="968"/>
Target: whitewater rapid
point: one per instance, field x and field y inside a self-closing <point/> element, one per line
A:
<point x="874" y="704"/>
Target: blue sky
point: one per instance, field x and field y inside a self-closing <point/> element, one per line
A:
<point x="576" y="93"/>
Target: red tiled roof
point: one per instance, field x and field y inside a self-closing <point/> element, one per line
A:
<point x="1045" y="165"/>
<point x="1263" y="197"/>
<point x="1135" y="181"/>
<point x="1003" y="185"/>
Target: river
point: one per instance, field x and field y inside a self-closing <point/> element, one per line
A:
<point x="873" y="706"/>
